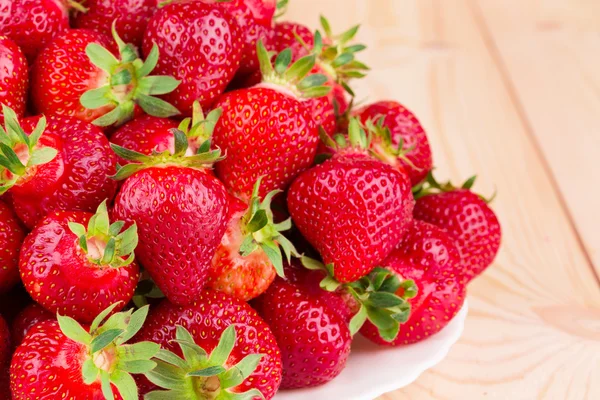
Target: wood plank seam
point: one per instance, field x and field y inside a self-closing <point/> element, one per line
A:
<point x="510" y="87"/>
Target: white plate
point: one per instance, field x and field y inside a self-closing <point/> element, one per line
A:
<point x="373" y="370"/>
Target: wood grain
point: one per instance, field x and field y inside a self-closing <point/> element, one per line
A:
<point x="533" y="330"/>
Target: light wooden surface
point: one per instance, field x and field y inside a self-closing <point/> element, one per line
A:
<point x="510" y="90"/>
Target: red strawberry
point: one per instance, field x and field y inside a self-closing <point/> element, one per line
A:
<point x="64" y="360"/>
<point x="29" y="317"/>
<point x="249" y="255"/>
<point x="146" y="134"/>
<point x="267" y="131"/>
<point x="5" y="343"/>
<point x="33" y="23"/>
<point x="467" y="218"/>
<point x="286" y="36"/>
<point x="131" y="17"/>
<point x="11" y="239"/>
<point x="230" y="332"/>
<point x="181" y="213"/>
<point x="14" y="76"/>
<point x="398" y="138"/>
<point x="77" y="76"/>
<point x="64" y="164"/>
<point x="428" y="256"/>
<point x="314" y="340"/>
<point x="201" y="45"/>
<point x="352" y="208"/>
<point x="85" y="269"/>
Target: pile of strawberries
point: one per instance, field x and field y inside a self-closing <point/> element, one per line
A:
<point x="192" y="207"/>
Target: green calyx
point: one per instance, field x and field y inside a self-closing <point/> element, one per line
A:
<point x="382" y="298"/>
<point x="202" y="158"/>
<point x="282" y="6"/>
<point x="336" y="55"/>
<point x="260" y="232"/>
<point x="431" y="186"/>
<point x="382" y="146"/>
<point x="129" y="83"/>
<point x="295" y="78"/>
<point x="199" y="375"/>
<point x="108" y="359"/>
<point x="20" y="152"/>
<point x="146" y="289"/>
<point x="76" y="5"/>
<point x="358" y="138"/>
<point x="103" y="242"/>
<point x="200" y="128"/>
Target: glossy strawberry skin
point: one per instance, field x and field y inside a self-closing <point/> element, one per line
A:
<point x="181" y="215"/>
<point x="61" y="278"/>
<point x="145" y="134"/>
<point x="428" y="256"/>
<point x="469" y="221"/>
<point x="29" y="317"/>
<point x="63" y="73"/>
<point x="241" y="277"/>
<point x="14" y="77"/>
<point x="199" y="44"/>
<point x="353" y="209"/>
<point x="404" y="126"/>
<point x="32" y="24"/>
<point x="206" y="318"/>
<point x="78" y="179"/>
<point x="132" y="16"/>
<point x="11" y="239"/>
<point x="314" y="340"/>
<point x="265" y="133"/>
<point x="47" y="365"/>
<point x="285" y="37"/>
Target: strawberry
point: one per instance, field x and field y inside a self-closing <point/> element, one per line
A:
<point x="398" y="138"/>
<point x="29" y="317"/>
<point x="32" y="24"/>
<point x="428" y="256"/>
<point x="14" y="76"/>
<point x="249" y="255"/>
<point x="314" y="340"/>
<point x="267" y="130"/>
<point x="76" y="75"/>
<point x="131" y="17"/>
<point x="181" y="213"/>
<point x="353" y="208"/>
<point x="286" y="36"/>
<point x="217" y="334"/>
<point x="11" y="239"/>
<point x="146" y="134"/>
<point x="63" y="164"/>
<point x="466" y="217"/>
<point x="204" y="54"/>
<point x="85" y="269"/>
<point x="65" y="360"/>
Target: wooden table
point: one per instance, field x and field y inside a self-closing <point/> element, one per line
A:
<point x="510" y="90"/>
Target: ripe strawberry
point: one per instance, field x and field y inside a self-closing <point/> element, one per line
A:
<point x="14" y="76"/>
<point x="352" y="208"/>
<point x="11" y="239"/>
<point x="428" y="256"/>
<point x="230" y="334"/>
<point x="398" y="138"/>
<point x="286" y="36"/>
<point x="131" y="17"/>
<point x="32" y="24"/>
<point x="467" y="218"/>
<point x="64" y="360"/>
<point x="181" y="213"/>
<point x="267" y="131"/>
<point x="201" y="45"/>
<point x="77" y="76"/>
<point x="249" y="255"/>
<point x="314" y="340"/>
<point x="146" y="134"/>
<point x="29" y="317"/>
<point x="64" y="164"/>
<point x="86" y="269"/>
